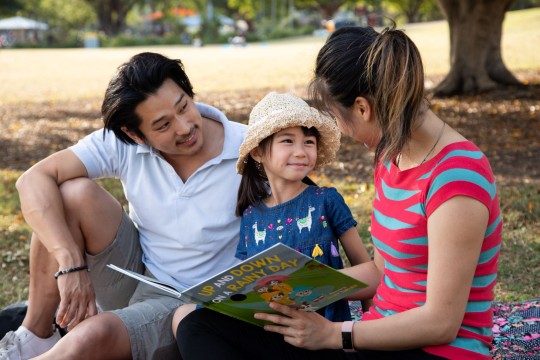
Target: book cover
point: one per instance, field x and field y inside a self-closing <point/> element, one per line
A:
<point x="278" y="274"/>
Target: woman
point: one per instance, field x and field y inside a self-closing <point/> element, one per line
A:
<point x="435" y="195"/>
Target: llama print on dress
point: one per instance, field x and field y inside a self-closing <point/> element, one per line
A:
<point x="305" y="222"/>
<point x="259" y="235"/>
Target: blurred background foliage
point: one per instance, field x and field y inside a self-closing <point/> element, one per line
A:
<point x="158" y="22"/>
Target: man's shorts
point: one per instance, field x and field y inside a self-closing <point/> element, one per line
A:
<point x="146" y="311"/>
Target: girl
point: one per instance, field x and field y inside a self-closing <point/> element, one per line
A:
<point x="285" y="142"/>
<point x="436" y="224"/>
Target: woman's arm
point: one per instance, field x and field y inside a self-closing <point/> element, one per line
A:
<point x="455" y="231"/>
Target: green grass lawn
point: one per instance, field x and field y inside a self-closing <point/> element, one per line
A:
<point x="519" y="268"/>
<point x="84" y="73"/>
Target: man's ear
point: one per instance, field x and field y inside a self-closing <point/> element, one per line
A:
<point x="133" y="135"/>
<point x="363" y="108"/>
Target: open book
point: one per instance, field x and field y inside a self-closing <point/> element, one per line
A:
<point x="278" y="274"/>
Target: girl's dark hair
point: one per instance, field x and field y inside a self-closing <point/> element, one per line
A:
<point x="133" y="82"/>
<point x="384" y="68"/>
<point x="254" y="185"/>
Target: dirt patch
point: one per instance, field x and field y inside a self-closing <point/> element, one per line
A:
<point x="505" y="124"/>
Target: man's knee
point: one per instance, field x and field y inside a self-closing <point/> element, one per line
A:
<point x="93" y="215"/>
<point x="78" y="192"/>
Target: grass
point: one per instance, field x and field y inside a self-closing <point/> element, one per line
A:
<point x="518" y="268"/>
<point x="83" y="73"/>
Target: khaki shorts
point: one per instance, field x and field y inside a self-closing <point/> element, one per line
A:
<point x="146" y="311"/>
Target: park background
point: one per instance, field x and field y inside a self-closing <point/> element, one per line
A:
<point x="50" y="97"/>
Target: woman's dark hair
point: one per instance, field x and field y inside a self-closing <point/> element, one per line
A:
<point x="384" y="68"/>
<point x="133" y="82"/>
<point x="254" y="185"/>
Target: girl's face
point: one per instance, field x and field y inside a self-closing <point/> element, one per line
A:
<point x="292" y="155"/>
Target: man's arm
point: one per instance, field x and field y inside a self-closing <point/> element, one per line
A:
<point x="42" y="207"/>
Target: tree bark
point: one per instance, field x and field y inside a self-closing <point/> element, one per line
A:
<point x="411" y="9"/>
<point x="476" y="63"/>
<point x="329" y="7"/>
<point x="111" y="14"/>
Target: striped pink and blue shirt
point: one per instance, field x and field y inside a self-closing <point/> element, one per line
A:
<point x="403" y="202"/>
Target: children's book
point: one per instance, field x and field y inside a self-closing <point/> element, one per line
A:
<point x="279" y="273"/>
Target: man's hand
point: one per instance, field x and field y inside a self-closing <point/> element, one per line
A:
<point x="77" y="299"/>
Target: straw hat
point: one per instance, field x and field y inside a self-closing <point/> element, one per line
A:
<point x="276" y="112"/>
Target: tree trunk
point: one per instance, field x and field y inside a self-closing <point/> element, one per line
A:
<point x="475" y="46"/>
<point x="329" y="8"/>
<point x="411" y="9"/>
<point x="111" y="14"/>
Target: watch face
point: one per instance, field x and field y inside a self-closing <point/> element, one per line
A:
<point x="346" y="339"/>
<point x="346" y="336"/>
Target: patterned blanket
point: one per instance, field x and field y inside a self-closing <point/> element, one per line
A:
<point x="516" y="329"/>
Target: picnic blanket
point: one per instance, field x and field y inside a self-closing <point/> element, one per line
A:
<point x="516" y="329"/>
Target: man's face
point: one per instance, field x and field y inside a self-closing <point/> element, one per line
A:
<point x="170" y="122"/>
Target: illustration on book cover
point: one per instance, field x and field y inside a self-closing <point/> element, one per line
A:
<point x="280" y="275"/>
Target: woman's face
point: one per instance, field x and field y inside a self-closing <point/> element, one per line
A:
<point x="357" y="124"/>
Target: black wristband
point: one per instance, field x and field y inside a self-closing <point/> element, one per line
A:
<point x="67" y="271"/>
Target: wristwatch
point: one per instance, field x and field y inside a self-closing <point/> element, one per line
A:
<point x="346" y="336"/>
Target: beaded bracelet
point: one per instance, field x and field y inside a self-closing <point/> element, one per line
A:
<point x="67" y="271"/>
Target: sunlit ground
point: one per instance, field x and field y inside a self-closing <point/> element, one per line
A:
<point x="60" y="74"/>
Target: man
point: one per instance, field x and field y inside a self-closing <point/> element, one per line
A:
<point x="176" y="160"/>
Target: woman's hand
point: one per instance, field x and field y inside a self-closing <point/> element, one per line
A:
<point x="307" y="330"/>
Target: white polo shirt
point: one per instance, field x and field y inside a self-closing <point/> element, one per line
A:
<point x="188" y="231"/>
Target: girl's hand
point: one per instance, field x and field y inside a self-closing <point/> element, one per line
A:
<point x="307" y="330"/>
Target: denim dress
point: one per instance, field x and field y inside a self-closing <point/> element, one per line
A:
<point x="311" y="223"/>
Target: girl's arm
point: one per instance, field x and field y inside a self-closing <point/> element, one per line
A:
<point x="455" y="231"/>
<point x="354" y="248"/>
<point x="369" y="273"/>
<point x="357" y="254"/>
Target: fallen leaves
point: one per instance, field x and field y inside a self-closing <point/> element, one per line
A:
<point x="505" y="124"/>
